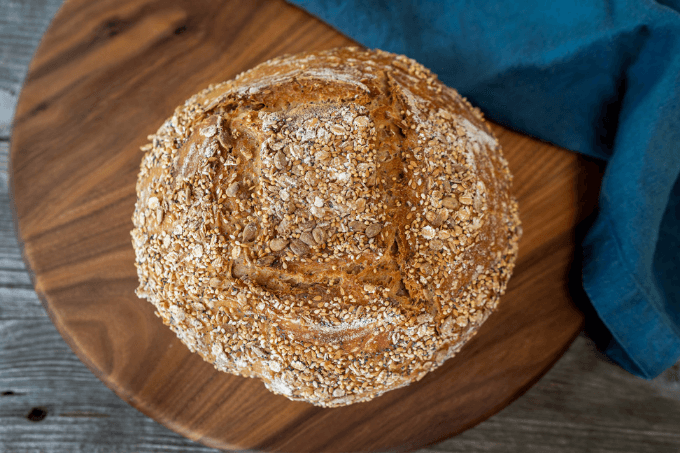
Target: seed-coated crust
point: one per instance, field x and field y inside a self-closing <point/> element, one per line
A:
<point x="335" y="223"/>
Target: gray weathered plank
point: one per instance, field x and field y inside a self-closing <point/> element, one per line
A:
<point x="22" y="23"/>
<point x="584" y="404"/>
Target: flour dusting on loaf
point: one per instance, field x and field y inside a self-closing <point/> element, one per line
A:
<point x="335" y="223"/>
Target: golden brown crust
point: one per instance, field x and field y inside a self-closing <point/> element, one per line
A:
<point x="335" y="223"/>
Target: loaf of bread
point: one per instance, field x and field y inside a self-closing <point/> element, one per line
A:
<point x="335" y="223"/>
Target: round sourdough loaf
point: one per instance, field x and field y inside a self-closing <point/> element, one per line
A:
<point x="335" y="223"/>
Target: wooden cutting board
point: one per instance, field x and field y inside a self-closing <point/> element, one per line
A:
<point x="106" y="75"/>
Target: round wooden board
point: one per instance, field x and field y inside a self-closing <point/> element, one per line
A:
<point x="106" y="75"/>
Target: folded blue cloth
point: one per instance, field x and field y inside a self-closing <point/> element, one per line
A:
<point x="601" y="78"/>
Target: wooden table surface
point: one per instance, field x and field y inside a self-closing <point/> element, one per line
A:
<point x="50" y="402"/>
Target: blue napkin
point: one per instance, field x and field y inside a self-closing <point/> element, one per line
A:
<point x="601" y="78"/>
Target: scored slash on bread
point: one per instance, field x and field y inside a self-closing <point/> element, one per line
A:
<point x="335" y="223"/>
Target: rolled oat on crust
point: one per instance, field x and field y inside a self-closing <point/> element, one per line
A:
<point x="335" y="223"/>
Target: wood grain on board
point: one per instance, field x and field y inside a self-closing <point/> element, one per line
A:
<point x="105" y="76"/>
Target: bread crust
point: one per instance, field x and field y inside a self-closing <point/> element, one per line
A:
<point x="335" y="223"/>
